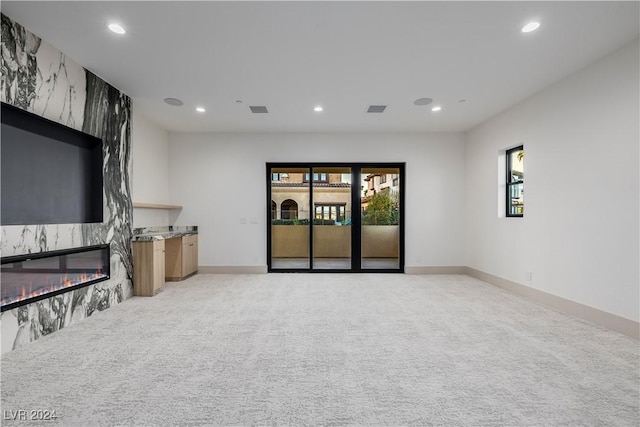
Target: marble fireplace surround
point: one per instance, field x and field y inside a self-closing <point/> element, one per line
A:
<point x="40" y="79"/>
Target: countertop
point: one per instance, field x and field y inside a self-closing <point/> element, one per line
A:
<point x="146" y="234"/>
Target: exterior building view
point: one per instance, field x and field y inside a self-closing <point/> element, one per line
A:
<point x="377" y="183"/>
<point x="290" y="196"/>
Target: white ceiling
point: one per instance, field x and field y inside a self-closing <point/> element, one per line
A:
<point x="291" y="56"/>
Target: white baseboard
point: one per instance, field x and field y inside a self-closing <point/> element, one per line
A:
<point x="418" y="269"/>
<point x="232" y="269"/>
<point x="614" y="322"/>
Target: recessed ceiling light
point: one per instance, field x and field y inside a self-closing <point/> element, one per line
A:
<point x="317" y="109"/>
<point x="200" y="109"/>
<point x="116" y="28"/>
<point x="531" y="26"/>
<point x="423" y="101"/>
<point x="436" y="108"/>
<point x="174" y="101"/>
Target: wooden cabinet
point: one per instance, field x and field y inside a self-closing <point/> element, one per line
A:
<point x="155" y="261"/>
<point x="181" y="257"/>
<point x="148" y="267"/>
<point x="189" y="254"/>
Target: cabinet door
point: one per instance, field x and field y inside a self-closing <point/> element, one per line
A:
<point x="158" y="265"/>
<point x="194" y="253"/>
<point x="173" y="259"/>
<point x="148" y="267"/>
<point x="190" y="254"/>
<point x="143" y="269"/>
<point x="185" y="256"/>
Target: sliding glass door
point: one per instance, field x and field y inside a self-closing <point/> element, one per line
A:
<point x="380" y="218"/>
<point x="335" y="217"/>
<point x="331" y="221"/>
<point x="289" y="218"/>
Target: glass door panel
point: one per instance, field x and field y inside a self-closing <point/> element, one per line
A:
<point x="331" y="218"/>
<point x="290" y="218"/>
<point x="380" y="218"/>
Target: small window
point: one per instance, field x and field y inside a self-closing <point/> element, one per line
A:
<point x="335" y="212"/>
<point x="515" y="182"/>
<point x="317" y="177"/>
<point x="383" y="179"/>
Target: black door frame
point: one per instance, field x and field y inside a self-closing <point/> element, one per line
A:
<point x="356" y="230"/>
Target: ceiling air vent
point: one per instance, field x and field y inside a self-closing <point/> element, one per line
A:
<point x="258" y="109"/>
<point x="376" y="108"/>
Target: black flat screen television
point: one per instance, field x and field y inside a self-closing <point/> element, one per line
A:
<point x="51" y="174"/>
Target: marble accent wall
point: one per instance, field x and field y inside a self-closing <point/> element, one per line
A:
<point x="39" y="78"/>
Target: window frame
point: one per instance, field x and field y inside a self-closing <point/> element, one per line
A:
<point x="339" y="208"/>
<point x="510" y="183"/>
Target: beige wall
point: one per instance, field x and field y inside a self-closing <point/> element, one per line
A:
<point x="290" y="241"/>
<point x="380" y="241"/>
<point x="333" y="241"/>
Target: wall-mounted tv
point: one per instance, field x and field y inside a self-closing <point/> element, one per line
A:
<point x="51" y="174"/>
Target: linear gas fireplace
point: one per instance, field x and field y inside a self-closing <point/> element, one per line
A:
<point x="32" y="277"/>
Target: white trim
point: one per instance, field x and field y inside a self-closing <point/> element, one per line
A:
<point x="418" y="269"/>
<point x="232" y="269"/>
<point x="611" y="321"/>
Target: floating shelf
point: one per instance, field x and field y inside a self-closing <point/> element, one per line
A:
<point x="155" y="206"/>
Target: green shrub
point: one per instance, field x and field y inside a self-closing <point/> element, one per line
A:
<point x="302" y="222"/>
<point x="295" y="221"/>
<point x="382" y="210"/>
<point x="317" y="221"/>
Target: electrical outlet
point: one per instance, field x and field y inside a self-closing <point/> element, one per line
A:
<point x="529" y="276"/>
<point x="254" y="220"/>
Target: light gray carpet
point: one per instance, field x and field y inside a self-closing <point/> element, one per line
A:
<point x="328" y="349"/>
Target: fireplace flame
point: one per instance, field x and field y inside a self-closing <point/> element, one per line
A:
<point x="26" y="278"/>
<point x="65" y="281"/>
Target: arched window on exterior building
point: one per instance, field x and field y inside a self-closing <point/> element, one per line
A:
<point x="289" y="209"/>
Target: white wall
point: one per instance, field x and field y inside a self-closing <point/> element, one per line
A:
<point x="579" y="234"/>
<point x="150" y="174"/>
<point x="220" y="178"/>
